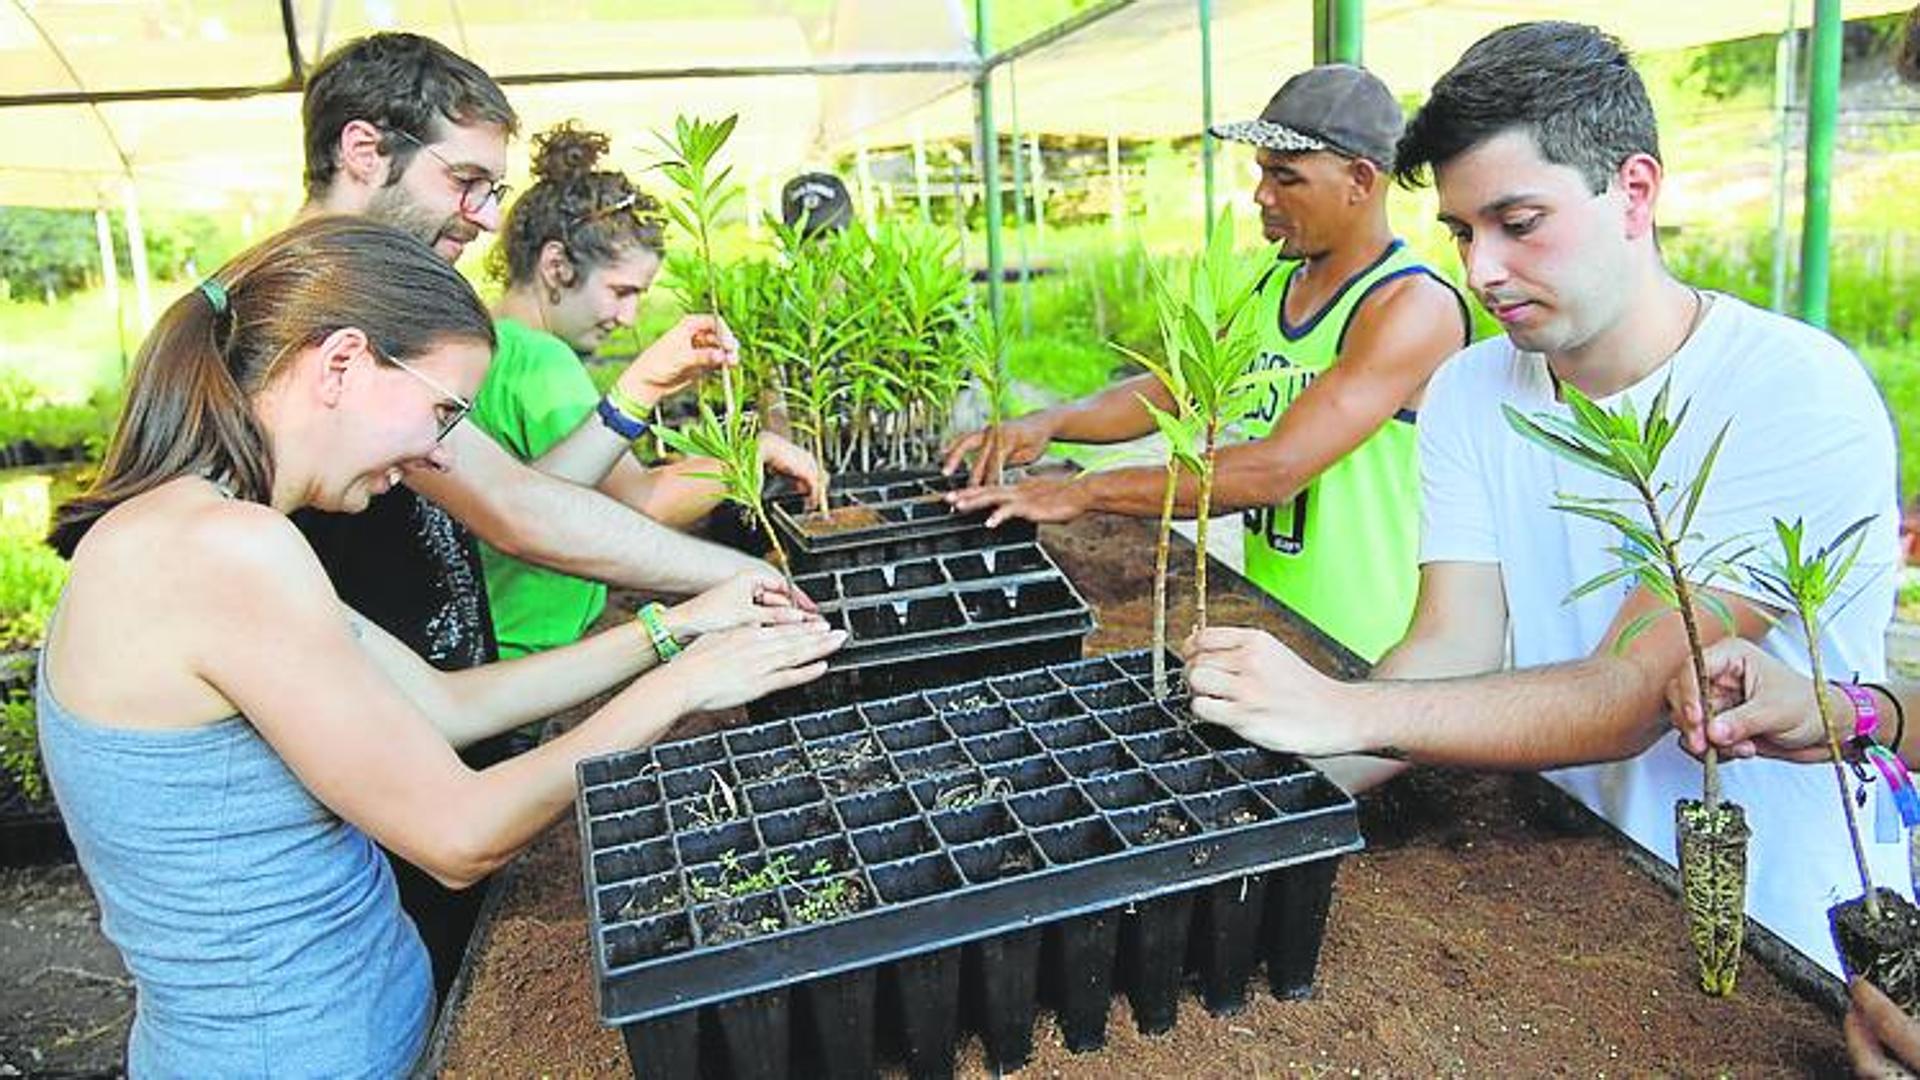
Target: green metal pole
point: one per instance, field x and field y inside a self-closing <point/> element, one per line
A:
<point x="989" y="156"/>
<point x="1206" y="111"/>
<point x="1348" y="21"/>
<point x="1019" y="203"/>
<point x="1337" y="31"/>
<point x="1823" y="100"/>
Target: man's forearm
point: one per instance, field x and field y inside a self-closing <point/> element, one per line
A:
<point x="1112" y="415"/>
<point x="586" y="534"/>
<point x="1601" y="708"/>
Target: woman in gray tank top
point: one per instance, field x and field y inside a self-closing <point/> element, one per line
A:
<point x="227" y="740"/>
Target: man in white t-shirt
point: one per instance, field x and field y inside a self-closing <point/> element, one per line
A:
<point x="1543" y="147"/>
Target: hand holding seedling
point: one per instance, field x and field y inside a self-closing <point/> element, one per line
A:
<point x="745" y="599"/>
<point x="733" y="667"/>
<point x="780" y="455"/>
<point x="1047" y="500"/>
<point x="1014" y="442"/>
<point x="1761" y="707"/>
<point x="697" y="345"/>
<point x="1247" y="681"/>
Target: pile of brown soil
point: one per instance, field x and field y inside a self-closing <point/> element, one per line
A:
<point x="1484" y="928"/>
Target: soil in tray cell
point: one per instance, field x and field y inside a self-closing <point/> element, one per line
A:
<point x="974" y="823"/>
<point x="912" y="879"/>
<point x="637" y="861"/>
<point x="1030" y="684"/>
<point x="934" y="764"/>
<point x="995" y="860"/>
<point x="904" y="617"/>
<point x="612" y="800"/>
<point x="963" y="699"/>
<point x="1052" y="707"/>
<point x="1050" y="807"/>
<point x="806" y="823"/>
<point x="641" y="899"/>
<point x="826" y="900"/>
<point x="1158" y="824"/>
<point x="898" y="840"/>
<point x="1229" y="810"/>
<point x="1067" y="734"/>
<point x="785" y="794"/>
<point x="1077" y="842"/>
<point x="649" y="940"/>
<point x="737" y="920"/>
<point x="843" y="519"/>
<point x="851" y="763"/>
<point x="977" y="722"/>
<point x="960" y="791"/>
<point x="1195" y="777"/>
<point x="1026" y="774"/>
<point x="878" y="808"/>
<point x="912" y="735"/>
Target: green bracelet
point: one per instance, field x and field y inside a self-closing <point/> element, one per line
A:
<point x="652" y="619"/>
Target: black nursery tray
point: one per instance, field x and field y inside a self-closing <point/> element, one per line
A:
<point x="936" y="620"/>
<point x="1057" y="828"/>
<point x="910" y="519"/>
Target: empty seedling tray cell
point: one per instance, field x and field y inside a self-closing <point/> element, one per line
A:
<point x="974" y="851"/>
<point x="923" y="622"/>
<point x="879" y="517"/>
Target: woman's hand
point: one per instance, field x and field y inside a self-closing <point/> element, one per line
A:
<point x="780" y="455"/>
<point x="733" y="667"/>
<point x="697" y="345"/>
<point x="749" y="598"/>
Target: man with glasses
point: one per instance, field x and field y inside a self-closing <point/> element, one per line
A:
<point x="401" y="129"/>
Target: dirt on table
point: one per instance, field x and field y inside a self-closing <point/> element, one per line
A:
<point x="66" y="1002"/>
<point x="1486" y="928"/>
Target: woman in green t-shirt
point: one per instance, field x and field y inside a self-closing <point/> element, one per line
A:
<point x="575" y="254"/>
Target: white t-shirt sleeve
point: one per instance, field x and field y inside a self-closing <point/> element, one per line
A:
<point x="1456" y="504"/>
<point x="1812" y="442"/>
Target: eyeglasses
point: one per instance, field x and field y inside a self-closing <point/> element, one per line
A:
<point x="475" y="191"/>
<point x="452" y="410"/>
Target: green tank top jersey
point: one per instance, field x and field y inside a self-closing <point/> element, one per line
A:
<point x="535" y="393"/>
<point x="1344" y="552"/>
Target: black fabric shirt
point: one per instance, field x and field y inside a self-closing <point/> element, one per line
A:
<point x="407" y="565"/>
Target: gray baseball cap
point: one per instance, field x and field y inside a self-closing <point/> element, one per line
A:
<point x="1336" y="107"/>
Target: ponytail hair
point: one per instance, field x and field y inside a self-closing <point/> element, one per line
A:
<point x="597" y="215"/>
<point x="189" y="403"/>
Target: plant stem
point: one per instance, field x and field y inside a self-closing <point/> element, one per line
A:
<point x="1810" y="622"/>
<point x="780" y="562"/>
<point x="1200" y="523"/>
<point x="1160" y="550"/>
<point x="1670" y="551"/>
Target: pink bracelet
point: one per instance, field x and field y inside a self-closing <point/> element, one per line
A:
<point x="1866" y="715"/>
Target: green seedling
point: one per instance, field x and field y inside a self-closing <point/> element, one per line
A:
<point x="703" y="191"/>
<point x="733" y="442"/>
<point x="1620" y="444"/>
<point x="1807" y="583"/>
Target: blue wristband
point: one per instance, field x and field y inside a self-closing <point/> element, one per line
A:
<point x="617" y="420"/>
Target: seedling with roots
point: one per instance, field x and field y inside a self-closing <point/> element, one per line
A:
<point x="1882" y="946"/>
<point x="1620" y="444"/>
<point x="733" y="442"/>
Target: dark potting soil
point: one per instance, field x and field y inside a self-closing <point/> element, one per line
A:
<point x="66" y="1002"/>
<point x="1886" y="950"/>
<point x="1483" y="928"/>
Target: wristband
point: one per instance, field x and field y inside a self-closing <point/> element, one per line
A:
<point x="1866" y="715"/>
<point x="652" y="620"/>
<point x="1899" y="715"/>
<point x="618" y="418"/>
<point x="1866" y="721"/>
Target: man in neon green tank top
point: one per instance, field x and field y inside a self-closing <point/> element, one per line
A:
<point x="1329" y="481"/>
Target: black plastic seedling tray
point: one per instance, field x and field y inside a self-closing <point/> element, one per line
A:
<point x="813" y="895"/>
<point x="931" y="621"/>
<point x="903" y="515"/>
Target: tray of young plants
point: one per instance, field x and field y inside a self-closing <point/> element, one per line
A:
<point x="819" y="894"/>
<point x="878" y="516"/>
<point x="923" y="622"/>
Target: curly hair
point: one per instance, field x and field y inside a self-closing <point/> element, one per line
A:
<point x="596" y="214"/>
<point x="1572" y="87"/>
